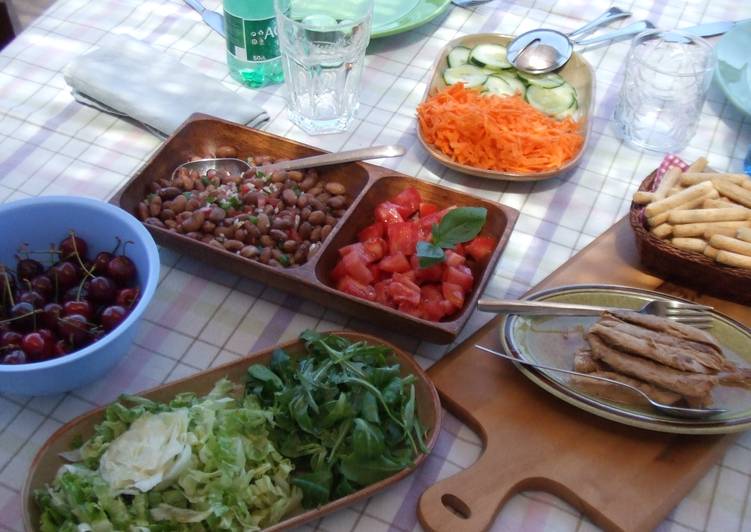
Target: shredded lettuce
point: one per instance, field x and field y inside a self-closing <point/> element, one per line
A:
<point x="193" y="464"/>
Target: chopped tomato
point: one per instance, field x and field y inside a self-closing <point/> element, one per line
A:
<point x="433" y="310"/>
<point x="376" y="271"/>
<point x="431" y="273"/>
<point x="453" y="258"/>
<point x="394" y="263"/>
<point x="381" y="294"/>
<point x="414" y="310"/>
<point x="388" y="213"/>
<point x="428" y="221"/>
<point x="406" y="276"/>
<point x="481" y="247"/>
<point x="376" y="230"/>
<point x="402" y="237"/>
<point x="357" y="268"/>
<point x="431" y="292"/>
<point x="460" y="275"/>
<point x="356" y="247"/>
<point x="408" y="201"/>
<point x="375" y="249"/>
<point x="404" y="291"/>
<point x="339" y="271"/>
<point x="453" y="294"/>
<point x="427" y="208"/>
<point x="459" y="248"/>
<point x="350" y="286"/>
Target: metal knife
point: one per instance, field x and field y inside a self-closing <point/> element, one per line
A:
<point x="214" y="20"/>
<point x="712" y="28"/>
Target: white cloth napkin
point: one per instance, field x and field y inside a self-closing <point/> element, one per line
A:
<point x="131" y="78"/>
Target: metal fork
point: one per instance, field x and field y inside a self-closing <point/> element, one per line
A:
<point x="678" y="311"/>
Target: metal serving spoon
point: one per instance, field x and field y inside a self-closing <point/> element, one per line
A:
<point x="674" y="411"/>
<point x="543" y="50"/>
<point x="238" y="166"/>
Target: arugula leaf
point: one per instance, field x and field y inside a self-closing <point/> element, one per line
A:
<point x="429" y="254"/>
<point x="367" y="439"/>
<point x="369" y="409"/>
<point x="369" y="470"/>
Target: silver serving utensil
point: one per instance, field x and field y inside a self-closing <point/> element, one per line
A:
<point x="214" y="20"/>
<point x="238" y="166"/>
<point x="677" y="311"/>
<point x="674" y="411"/>
<point x="543" y="50"/>
<point x="711" y="29"/>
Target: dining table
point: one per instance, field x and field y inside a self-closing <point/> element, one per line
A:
<point x="201" y="317"/>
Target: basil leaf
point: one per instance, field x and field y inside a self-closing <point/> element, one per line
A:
<point x="459" y="225"/>
<point x="428" y="254"/>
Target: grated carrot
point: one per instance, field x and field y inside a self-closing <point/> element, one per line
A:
<point x="497" y="133"/>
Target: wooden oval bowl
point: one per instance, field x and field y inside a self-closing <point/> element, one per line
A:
<point x="47" y="460"/>
<point x="577" y="71"/>
<point x="687" y="268"/>
<point x="365" y="184"/>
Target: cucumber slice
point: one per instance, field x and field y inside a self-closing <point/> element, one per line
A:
<point x="470" y="75"/>
<point x="546" y="81"/>
<point x="570" y="112"/>
<point x="500" y="87"/>
<point x="490" y="56"/>
<point x="458" y="56"/>
<point x="509" y="77"/>
<point x="551" y="101"/>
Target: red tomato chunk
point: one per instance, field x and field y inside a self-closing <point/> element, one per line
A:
<point x="383" y="266"/>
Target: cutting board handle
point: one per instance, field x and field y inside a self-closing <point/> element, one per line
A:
<point x="469" y="500"/>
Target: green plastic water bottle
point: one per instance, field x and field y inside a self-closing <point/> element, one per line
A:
<point x="252" y="42"/>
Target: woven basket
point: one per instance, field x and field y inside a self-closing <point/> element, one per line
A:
<point x="687" y="268"/>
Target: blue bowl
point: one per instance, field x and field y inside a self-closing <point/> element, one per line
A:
<point x="46" y="220"/>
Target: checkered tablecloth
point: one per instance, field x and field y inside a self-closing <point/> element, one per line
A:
<point x="200" y="317"/>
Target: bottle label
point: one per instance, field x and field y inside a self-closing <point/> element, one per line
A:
<point x="252" y="40"/>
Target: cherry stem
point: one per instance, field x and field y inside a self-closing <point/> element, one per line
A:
<point x="86" y="271"/>
<point x="119" y="243"/>
<point x="7" y="285"/>
<point x="125" y="244"/>
<point x="22" y="316"/>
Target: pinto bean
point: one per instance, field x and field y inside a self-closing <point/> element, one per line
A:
<point x="264" y="224"/>
<point x="217" y="214"/>
<point x="179" y="204"/>
<point x="278" y="234"/>
<point x="143" y="211"/>
<point x="334" y="188"/>
<point x="249" y="252"/>
<point x="317" y="217"/>
<point x="154" y="221"/>
<point x="290" y="246"/>
<point x="289" y="196"/>
<point x="336" y="202"/>
<point x="326" y="231"/>
<point x="194" y="222"/>
<point x="168" y="193"/>
<point x="155" y="205"/>
<point x="226" y="152"/>
<point x="233" y="245"/>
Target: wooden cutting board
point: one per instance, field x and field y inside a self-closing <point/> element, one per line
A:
<point x="622" y="478"/>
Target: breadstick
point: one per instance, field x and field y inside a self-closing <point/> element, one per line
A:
<point x="662" y="231"/>
<point x="697" y="229"/>
<point x="746" y="184"/>
<point x="642" y="198"/>
<point x="727" y="231"/>
<point x="710" y="252"/>
<point x="734" y="192"/>
<point x="690" y="244"/>
<point x="692" y="178"/>
<point x="708" y="215"/>
<point x="698" y="165"/>
<point x="669" y="180"/>
<point x="721" y="203"/>
<point x="731" y="244"/>
<point x="661" y="218"/>
<point x="743" y="233"/>
<point x="733" y="259"/>
<point x="691" y="193"/>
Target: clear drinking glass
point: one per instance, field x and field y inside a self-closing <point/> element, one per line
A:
<point x="666" y="81"/>
<point x="323" y="49"/>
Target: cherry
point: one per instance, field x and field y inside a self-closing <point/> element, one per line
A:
<point x="74" y="329"/>
<point x="23" y="312"/>
<point x="122" y="270"/>
<point x="112" y="317"/>
<point x="61" y="348"/>
<point x="15" y="357"/>
<point x="101" y="262"/>
<point x="65" y="274"/>
<point x="10" y="338"/>
<point x="43" y="285"/>
<point x="36" y="346"/>
<point x="77" y="293"/>
<point x="47" y="334"/>
<point x="82" y="307"/>
<point x="72" y="246"/>
<point x="102" y="289"/>
<point x="32" y="296"/>
<point x="29" y="268"/>
<point x="127" y="297"/>
<point x="49" y="315"/>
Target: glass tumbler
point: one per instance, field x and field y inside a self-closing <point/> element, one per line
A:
<point x="323" y="50"/>
<point x="666" y="81"/>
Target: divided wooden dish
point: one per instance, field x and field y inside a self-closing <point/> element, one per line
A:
<point x="366" y="184"/>
<point x="47" y="461"/>
<point x="577" y="71"/>
<point x="688" y="268"/>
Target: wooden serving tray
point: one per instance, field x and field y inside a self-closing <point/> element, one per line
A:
<point x="47" y="460"/>
<point x="366" y="184"/>
<point x="622" y="478"/>
<point x="577" y="71"/>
